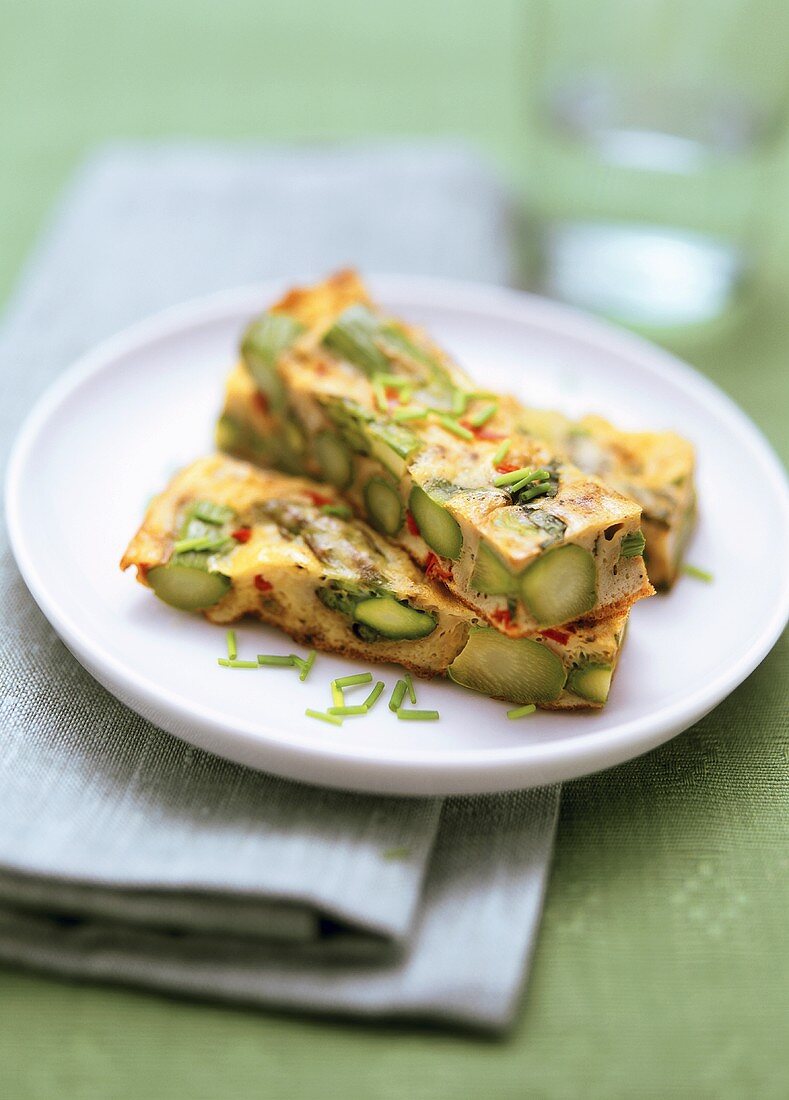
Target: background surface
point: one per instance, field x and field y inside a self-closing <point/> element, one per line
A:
<point x="662" y="965"/>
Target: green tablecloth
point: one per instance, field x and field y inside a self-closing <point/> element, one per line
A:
<point x="662" y="966"/>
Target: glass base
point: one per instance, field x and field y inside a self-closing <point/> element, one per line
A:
<point x="643" y="275"/>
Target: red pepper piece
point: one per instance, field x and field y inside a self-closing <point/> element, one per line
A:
<point x="243" y="534"/>
<point x="502" y="617"/>
<point x="262" y="402"/>
<point x="434" y="568"/>
<point x="318" y="499"/>
<point x="410" y="523"/>
<point x="482" y="432"/>
<point x="559" y="636"/>
<point x="262" y="584"/>
<point x="508" y="467"/>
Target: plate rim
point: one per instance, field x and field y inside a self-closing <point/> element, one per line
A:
<point x="468" y="771"/>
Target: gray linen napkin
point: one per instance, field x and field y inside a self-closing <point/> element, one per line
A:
<point x="127" y="855"/>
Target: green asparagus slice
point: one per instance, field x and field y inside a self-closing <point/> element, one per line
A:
<point x="353" y="337"/>
<point x="632" y="546"/>
<point x="520" y="670"/>
<point x="188" y="585"/>
<point x="261" y="346"/>
<point x="491" y="576"/>
<point x="438" y="528"/>
<point x="560" y="586"/>
<point x="392" y="444"/>
<point x="334" y="460"/>
<point x="343" y="597"/>
<point x="394" y="620"/>
<point x="384" y="507"/>
<point x="591" y="681"/>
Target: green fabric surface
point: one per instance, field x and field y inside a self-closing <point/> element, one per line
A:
<point x="662" y="964"/>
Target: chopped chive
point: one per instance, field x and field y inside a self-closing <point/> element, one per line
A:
<point x="502" y="452"/>
<point x="409" y="683"/>
<point x="484" y="415"/>
<point x="400" y="688"/>
<point x="538" y="476"/>
<point x="351" y="681"/>
<point x="698" y="574"/>
<point x="360" y="709"/>
<point x="205" y="542"/>
<point x="332" y="719"/>
<point x="337" y="697"/>
<point x="208" y="512"/>
<point x="372" y="698"/>
<point x="510" y="479"/>
<point x="455" y="428"/>
<point x="521" y="712"/>
<point x="460" y="402"/>
<point x="232" y="648"/>
<point x="226" y="663"/>
<point x="306" y="666"/>
<point x="342" y="511"/>
<point x="405" y="395"/>
<point x="274" y="660"/>
<point x="417" y="715"/>
<point x="535" y="491"/>
<point x="396" y="853"/>
<point x="408" y="413"/>
<point x="394" y="381"/>
<point x="380" y="396"/>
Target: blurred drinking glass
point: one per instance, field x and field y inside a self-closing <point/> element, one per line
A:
<point x="653" y="123"/>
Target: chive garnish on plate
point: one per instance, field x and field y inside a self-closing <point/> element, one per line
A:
<point x="232" y="648"/>
<point x="417" y="715"/>
<point x="337" y="697"/>
<point x="351" y="681"/>
<point x="372" y="698"/>
<point x="398" y="695"/>
<point x="409" y="683"/>
<point x="343" y="710"/>
<point x="275" y="660"/>
<point x="226" y="663"/>
<point x="521" y="712"/>
<point x="306" y="665"/>
<point x="698" y="574"/>
<point x="332" y="719"/>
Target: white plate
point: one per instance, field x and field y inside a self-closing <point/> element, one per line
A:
<point x="113" y="429"/>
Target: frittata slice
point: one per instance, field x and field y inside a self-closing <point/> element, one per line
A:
<point x="523" y="537"/>
<point x="229" y="540"/>
<point x="657" y="469"/>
